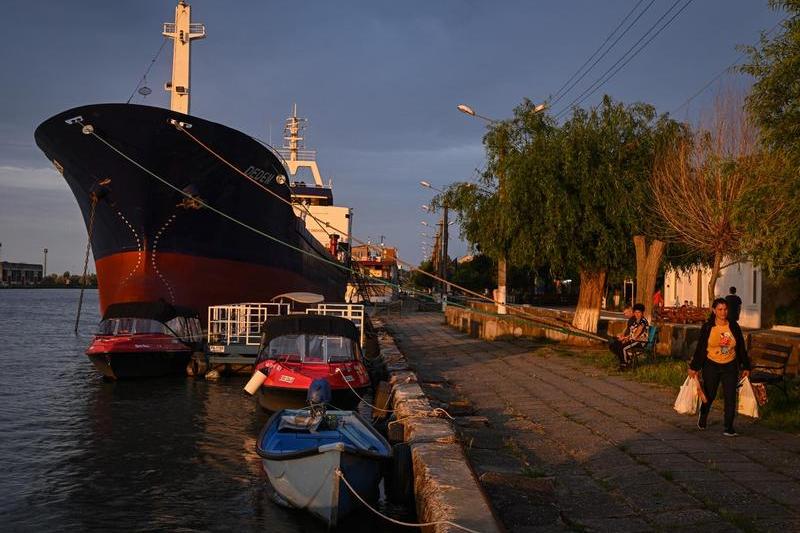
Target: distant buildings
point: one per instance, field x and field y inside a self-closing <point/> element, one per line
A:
<point x="374" y="261"/>
<point x="20" y="274"/>
<point x="765" y="302"/>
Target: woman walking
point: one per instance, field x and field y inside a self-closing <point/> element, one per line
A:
<point x="720" y="355"/>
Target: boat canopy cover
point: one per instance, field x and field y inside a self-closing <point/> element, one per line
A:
<point x="300" y="297"/>
<point x="161" y="311"/>
<point x="310" y="325"/>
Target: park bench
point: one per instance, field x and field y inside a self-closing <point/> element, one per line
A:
<point x="769" y="362"/>
<point x="648" y="349"/>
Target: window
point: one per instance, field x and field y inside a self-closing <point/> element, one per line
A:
<point x="312" y="349"/>
<point x="130" y="326"/>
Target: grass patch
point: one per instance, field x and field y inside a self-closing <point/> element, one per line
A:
<point x="663" y="371"/>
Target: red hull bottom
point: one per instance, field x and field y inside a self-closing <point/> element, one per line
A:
<point x="274" y="399"/>
<point x="141" y="364"/>
<point x="195" y="281"/>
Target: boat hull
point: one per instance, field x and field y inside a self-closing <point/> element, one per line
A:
<point x="311" y="482"/>
<point x="274" y="399"/>
<point x="232" y="239"/>
<point x="140" y="364"/>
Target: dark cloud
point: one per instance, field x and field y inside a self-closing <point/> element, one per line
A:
<point x="379" y="81"/>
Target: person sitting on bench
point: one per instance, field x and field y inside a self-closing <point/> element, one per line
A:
<point x="636" y="336"/>
<point x="615" y="345"/>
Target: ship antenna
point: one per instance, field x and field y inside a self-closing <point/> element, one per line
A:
<point x="182" y="32"/>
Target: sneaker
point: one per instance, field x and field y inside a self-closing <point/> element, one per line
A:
<point x="702" y="420"/>
<point x="730" y="433"/>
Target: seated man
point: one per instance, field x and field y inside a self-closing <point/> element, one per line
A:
<point x="616" y="344"/>
<point x="637" y="336"/>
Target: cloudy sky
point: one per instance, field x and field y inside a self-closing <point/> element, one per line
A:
<point x="379" y="81"/>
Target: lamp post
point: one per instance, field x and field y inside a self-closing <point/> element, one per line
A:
<point x="502" y="266"/>
<point x="44" y="270"/>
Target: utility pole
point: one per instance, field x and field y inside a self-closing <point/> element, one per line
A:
<point x="443" y="262"/>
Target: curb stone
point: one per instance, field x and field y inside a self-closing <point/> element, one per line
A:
<point x="445" y="487"/>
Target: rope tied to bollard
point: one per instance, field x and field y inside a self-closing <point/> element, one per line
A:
<point x="394" y="521"/>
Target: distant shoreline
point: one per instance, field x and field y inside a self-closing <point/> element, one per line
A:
<point x="46" y="287"/>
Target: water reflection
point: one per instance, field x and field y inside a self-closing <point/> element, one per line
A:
<point x="155" y="454"/>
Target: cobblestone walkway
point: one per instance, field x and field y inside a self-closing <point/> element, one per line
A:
<point x="558" y="444"/>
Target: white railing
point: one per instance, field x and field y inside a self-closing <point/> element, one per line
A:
<point x="241" y="323"/>
<point x="352" y="312"/>
<point x="302" y="155"/>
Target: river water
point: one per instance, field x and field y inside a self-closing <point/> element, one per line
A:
<point x="80" y="453"/>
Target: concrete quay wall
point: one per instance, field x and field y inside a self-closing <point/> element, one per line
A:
<point x="445" y="488"/>
<point x="674" y="340"/>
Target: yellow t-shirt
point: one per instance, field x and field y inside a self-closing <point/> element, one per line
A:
<point x="721" y="345"/>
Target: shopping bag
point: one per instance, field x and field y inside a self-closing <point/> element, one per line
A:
<point x="686" y="402"/>
<point x="747" y="404"/>
<point x="760" y="390"/>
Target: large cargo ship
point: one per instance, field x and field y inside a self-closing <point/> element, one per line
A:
<point x="192" y="212"/>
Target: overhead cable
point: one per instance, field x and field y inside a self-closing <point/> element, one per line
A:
<point x="559" y="94"/>
<point x="628" y="56"/>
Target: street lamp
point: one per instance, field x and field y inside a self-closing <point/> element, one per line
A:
<point x="467" y="110"/>
<point x="443" y="243"/>
<point x="502" y="267"/>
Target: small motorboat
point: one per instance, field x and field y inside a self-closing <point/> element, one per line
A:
<point x="306" y="453"/>
<point x="142" y="339"/>
<point x="297" y="349"/>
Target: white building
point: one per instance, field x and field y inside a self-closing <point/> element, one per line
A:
<point x="692" y="286"/>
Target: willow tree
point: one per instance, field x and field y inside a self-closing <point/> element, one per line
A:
<point x="581" y="191"/>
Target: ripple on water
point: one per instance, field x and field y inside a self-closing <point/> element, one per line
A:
<point x="80" y="453"/>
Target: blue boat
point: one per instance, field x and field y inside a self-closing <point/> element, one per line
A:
<point x="305" y="451"/>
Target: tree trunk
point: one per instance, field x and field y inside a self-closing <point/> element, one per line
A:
<point x="587" y="314"/>
<point x="648" y="261"/>
<point x="712" y="282"/>
<point x="502" y="270"/>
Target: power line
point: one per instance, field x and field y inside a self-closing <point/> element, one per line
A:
<point x="628" y="56"/>
<point x="559" y="95"/>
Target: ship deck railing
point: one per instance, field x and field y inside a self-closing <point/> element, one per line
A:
<point x="234" y="330"/>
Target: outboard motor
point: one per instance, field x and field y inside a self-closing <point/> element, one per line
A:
<point x="319" y="394"/>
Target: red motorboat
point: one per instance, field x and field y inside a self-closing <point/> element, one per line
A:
<point x="297" y="349"/>
<point x="141" y="339"/>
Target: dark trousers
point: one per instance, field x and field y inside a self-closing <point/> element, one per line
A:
<point x="728" y="374"/>
<point x="618" y="347"/>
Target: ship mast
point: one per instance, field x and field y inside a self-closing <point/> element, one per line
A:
<point x="296" y="157"/>
<point x="182" y="31"/>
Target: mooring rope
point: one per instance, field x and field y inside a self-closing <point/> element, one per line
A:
<point x="344" y="378"/>
<point x="86" y="261"/>
<point x="393" y="520"/>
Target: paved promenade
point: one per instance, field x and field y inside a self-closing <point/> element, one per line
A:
<point x="560" y="445"/>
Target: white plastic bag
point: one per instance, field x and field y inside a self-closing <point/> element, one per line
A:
<point x="688" y="397"/>
<point x="747" y="404"/>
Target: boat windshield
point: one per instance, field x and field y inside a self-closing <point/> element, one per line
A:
<point x="310" y="349"/>
<point x="131" y="326"/>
